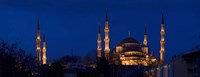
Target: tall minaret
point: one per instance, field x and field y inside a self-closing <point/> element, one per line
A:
<point x="38" y="49"/>
<point x="44" y="56"/>
<point x="162" y="42"/>
<point x="145" y="47"/>
<point x="106" y="39"/>
<point x="99" y="49"/>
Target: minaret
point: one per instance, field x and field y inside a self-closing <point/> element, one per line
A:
<point x="38" y="49"/>
<point x="106" y="39"/>
<point x="44" y="57"/>
<point x="99" y="49"/>
<point x="145" y="47"/>
<point x="162" y="42"/>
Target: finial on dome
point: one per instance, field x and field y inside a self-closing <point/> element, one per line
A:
<point x="145" y="29"/>
<point x="129" y="34"/>
<point x="152" y="53"/>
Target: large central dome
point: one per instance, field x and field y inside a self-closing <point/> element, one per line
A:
<point x="129" y="40"/>
<point x="130" y="44"/>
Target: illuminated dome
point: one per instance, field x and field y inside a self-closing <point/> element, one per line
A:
<point x="130" y="44"/>
<point x="130" y="52"/>
<point x="129" y="40"/>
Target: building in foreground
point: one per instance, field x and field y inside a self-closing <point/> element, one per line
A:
<point x="184" y="65"/>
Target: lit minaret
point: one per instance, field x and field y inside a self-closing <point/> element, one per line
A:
<point x="38" y="50"/>
<point x="106" y="39"/>
<point x="99" y="44"/>
<point x="162" y="42"/>
<point x="44" y="57"/>
<point x="145" y="47"/>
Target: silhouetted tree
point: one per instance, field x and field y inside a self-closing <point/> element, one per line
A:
<point x="14" y="62"/>
<point x="103" y="67"/>
<point x="69" y="59"/>
<point x="55" y="70"/>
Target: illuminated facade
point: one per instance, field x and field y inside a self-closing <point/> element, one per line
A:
<point x="129" y="51"/>
<point x="38" y="49"/>
<point x="44" y="57"/>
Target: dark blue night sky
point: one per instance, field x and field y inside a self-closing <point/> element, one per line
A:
<point x="72" y="24"/>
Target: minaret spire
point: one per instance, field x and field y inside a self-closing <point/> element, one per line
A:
<point x="145" y="29"/>
<point x="99" y="49"/>
<point x="162" y="18"/>
<point x="162" y="41"/>
<point x="145" y="36"/>
<point x="44" y="57"/>
<point x="99" y="30"/>
<point x="38" y="49"/>
<point x="145" y="46"/>
<point x="38" y="25"/>
<point x="106" y="14"/>
<point x="106" y="39"/>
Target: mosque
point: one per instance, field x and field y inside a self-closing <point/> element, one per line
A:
<point x="129" y="51"/>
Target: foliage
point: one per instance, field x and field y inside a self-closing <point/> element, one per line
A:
<point x="55" y="70"/>
<point x="14" y="62"/>
<point x="103" y="67"/>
